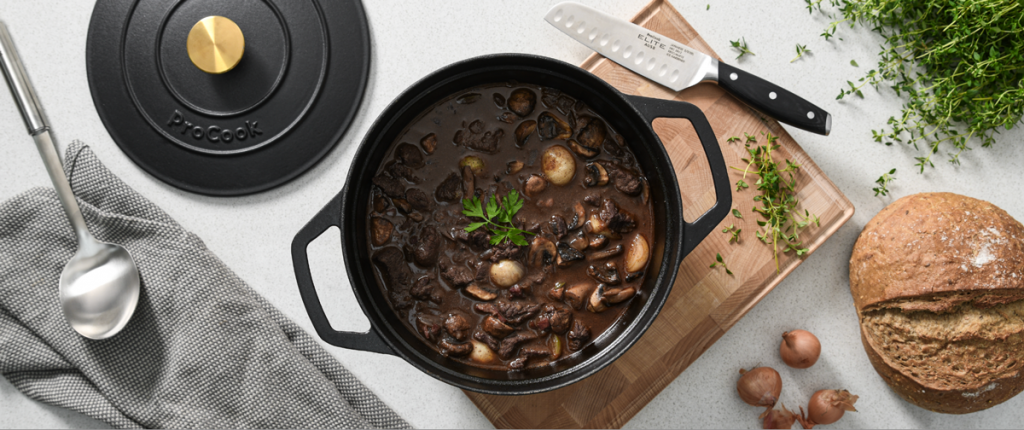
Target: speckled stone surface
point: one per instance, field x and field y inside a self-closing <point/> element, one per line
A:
<point x="411" y="39"/>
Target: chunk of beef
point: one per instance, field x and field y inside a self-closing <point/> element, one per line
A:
<point x="509" y="344"/>
<point x="428" y="326"/>
<point x="380" y="203"/>
<point x="483" y="271"/>
<point x="404" y="172"/>
<point x="616" y="219"/>
<point x="625" y="180"/>
<point x="409" y="155"/>
<point x="517" y="312"/>
<point x="488" y="340"/>
<point x="425" y="289"/>
<point x="456" y="276"/>
<point x="495" y="327"/>
<point x="390" y="186"/>
<point x="426" y="246"/>
<point x="578" y="336"/>
<point x="556" y="99"/>
<point x="474" y="137"/>
<point x="556" y="317"/>
<point x="450" y="190"/>
<point x="518" y="291"/>
<point x="478" y="239"/>
<point x="454" y="349"/>
<point x="517" y="364"/>
<point x="506" y="251"/>
<point x="380" y="230"/>
<point x="534" y="352"/>
<point x="418" y="200"/>
<point x="457" y="326"/>
<point x="391" y="263"/>
<point x="490" y="309"/>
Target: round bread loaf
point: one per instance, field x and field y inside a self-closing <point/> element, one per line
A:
<point x="938" y="282"/>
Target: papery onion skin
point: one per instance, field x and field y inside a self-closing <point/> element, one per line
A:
<point x="760" y="386"/>
<point x="827" y="407"/>
<point x="778" y="419"/>
<point x="799" y="349"/>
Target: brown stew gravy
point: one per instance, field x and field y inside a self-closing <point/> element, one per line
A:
<point x="506" y="306"/>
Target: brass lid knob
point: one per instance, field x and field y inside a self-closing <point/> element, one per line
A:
<point x="215" y="44"/>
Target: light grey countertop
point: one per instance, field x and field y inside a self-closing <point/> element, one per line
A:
<point x="413" y="38"/>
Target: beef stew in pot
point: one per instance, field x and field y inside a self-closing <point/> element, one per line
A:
<point x="510" y="226"/>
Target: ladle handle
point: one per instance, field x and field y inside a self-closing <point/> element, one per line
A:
<point x="21" y="88"/>
<point x="31" y="110"/>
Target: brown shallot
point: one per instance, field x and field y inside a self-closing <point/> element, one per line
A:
<point x="799" y="349"/>
<point x="826" y="407"/>
<point x="760" y="386"/>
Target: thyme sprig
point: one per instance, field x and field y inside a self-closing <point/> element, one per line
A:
<point x="883" y="183"/>
<point x="741" y="46"/>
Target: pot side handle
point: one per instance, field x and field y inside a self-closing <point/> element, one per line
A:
<point x="326" y="218"/>
<point x="695" y="232"/>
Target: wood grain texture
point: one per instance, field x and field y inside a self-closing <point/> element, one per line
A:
<point x="704" y="302"/>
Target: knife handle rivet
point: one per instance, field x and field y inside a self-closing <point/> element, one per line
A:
<point x="771" y="95"/>
<point x="734" y="76"/>
<point x="810" y="115"/>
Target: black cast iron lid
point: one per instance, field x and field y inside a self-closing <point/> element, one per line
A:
<point x="269" y="119"/>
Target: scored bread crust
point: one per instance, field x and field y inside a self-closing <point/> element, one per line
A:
<point x="937" y="280"/>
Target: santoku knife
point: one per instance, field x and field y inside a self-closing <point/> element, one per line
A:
<point x="678" y="66"/>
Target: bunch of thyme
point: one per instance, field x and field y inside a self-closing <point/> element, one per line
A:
<point x="782" y="221"/>
<point x="960" y="64"/>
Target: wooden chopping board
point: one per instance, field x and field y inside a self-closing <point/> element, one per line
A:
<point x="704" y="302"/>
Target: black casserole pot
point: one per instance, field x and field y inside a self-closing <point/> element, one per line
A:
<point x="631" y="116"/>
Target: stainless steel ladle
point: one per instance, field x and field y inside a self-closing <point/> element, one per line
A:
<point x="99" y="287"/>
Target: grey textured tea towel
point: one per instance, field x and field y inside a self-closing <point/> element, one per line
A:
<point x="202" y="350"/>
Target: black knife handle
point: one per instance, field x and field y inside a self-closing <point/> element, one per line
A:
<point x="773" y="100"/>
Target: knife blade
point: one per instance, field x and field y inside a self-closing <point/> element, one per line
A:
<point x="678" y="66"/>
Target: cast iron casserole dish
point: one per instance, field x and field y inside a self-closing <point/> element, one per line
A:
<point x="630" y="115"/>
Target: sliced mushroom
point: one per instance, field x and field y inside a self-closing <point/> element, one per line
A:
<point x="581" y="150"/>
<point x="567" y="255"/>
<point x="480" y="293"/>
<point x="619" y="295"/>
<point x="645" y="194"/>
<point x="454" y="349"/>
<point x="524" y="130"/>
<point x="579" y="241"/>
<point x="597" y="175"/>
<point x="608" y="253"/>
<point x="579" y="216"/>
<point x="630" y="277"/>
<point x="506" y="273"/>
<point x="468" y="99"/>
<point x="608" y="275"/>
<point x="380" y="230"/>
<point x="522" y="101"/>
<point x="409" y="155"/>
<point x="637" y="254"/>
<point x="468" y="182"/>
<point x="508" y="117"/>
<point x="495" y="327"/>
<point x="429" y="143"/>
<point x="558" y="227"/>
<point x="542" y="252"/>
<point x="577" y="295"/>
<point x="558" y="164"/>
<point x="473" y="162"/>
<point x="402" y="205"/>
<point x="598" y="241"/>
<point x="597" y="303"/>
<point x="380" y="204"/>
<point x="499" y="100"/>
<point x="535" y="185"/>
<point x="482" y="353"/>
<point x="596" y="225"/>
<point x="514" y="167"/>
<point x="551" y="127"/>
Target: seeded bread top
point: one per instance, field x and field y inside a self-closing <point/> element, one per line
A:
<point x="936" y="251"/>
